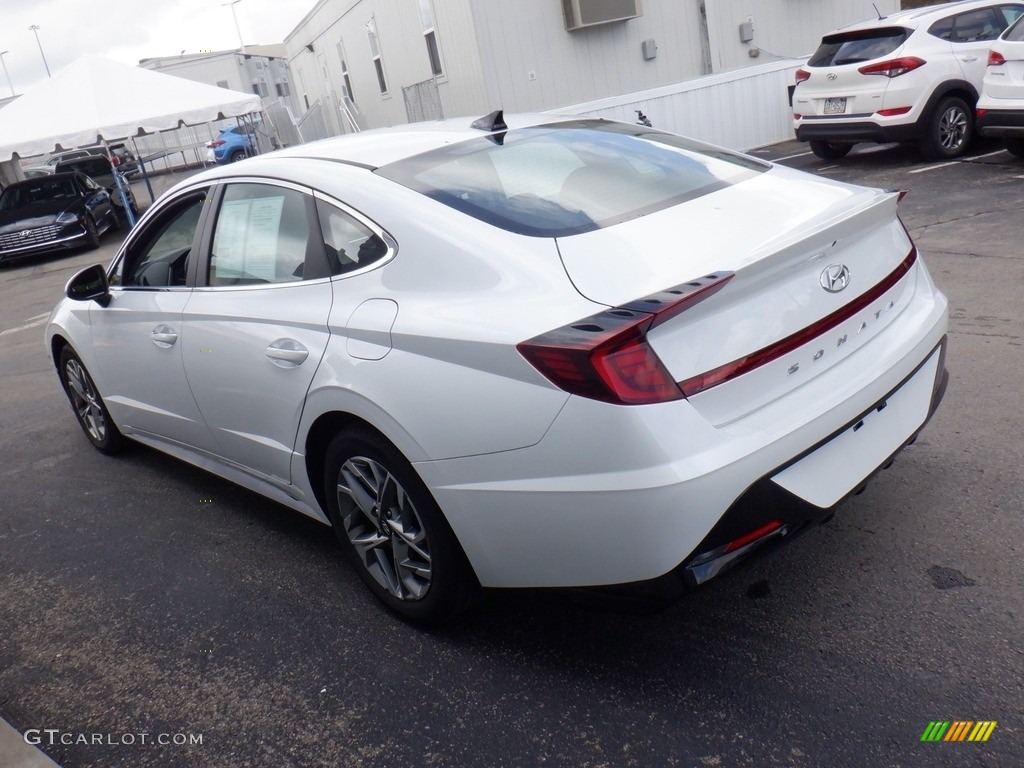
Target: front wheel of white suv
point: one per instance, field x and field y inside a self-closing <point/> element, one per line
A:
<point x="949" y="130"/>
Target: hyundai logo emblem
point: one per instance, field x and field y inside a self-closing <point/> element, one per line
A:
<point x="835" y="277"/>
<point x="831" y="76"/>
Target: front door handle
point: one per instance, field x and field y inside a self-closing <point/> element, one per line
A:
<point x="287" y="353"/>
<point x="163" y="336"/>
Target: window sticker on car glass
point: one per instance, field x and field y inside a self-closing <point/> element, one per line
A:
<point x="245" y="243"/>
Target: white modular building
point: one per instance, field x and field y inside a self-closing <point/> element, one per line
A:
<point x="373" y="63"/>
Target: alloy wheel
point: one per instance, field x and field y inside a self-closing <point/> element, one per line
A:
<point x="85" y="400"/>
<point x="953" y="128"/>
<point x="382" y="523"/>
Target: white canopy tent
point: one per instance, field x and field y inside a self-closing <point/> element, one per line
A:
<point x="97" y="100"/>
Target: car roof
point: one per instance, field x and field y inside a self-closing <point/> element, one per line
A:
<point x="381" y="146"/>
<point x="39" y="179"/>
<point x="918" y="17"/>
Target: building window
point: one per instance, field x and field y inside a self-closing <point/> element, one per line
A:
<point x="430" y="37"/>
<point x="346" y="82"/>
<point x="222" y="83"/>
<point x="283" y="90"/>
<point x="260" y="89"/>
<point x="378" y="63"/>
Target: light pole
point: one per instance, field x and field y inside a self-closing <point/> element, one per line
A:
<point x="233" y="3"/>
<point x="6" y="73"/>
<point x="35" y="30"/>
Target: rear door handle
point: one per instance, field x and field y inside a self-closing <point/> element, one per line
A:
<point x="968" y="58"/>
<point x="287" y="353"/>
<point x="163" y="336"/>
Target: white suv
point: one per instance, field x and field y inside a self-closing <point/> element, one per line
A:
<point x="1001" y="106"/>
<point x="911" y="76"/>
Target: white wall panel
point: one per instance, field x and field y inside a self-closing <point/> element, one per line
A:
<point x="782" y="28"/>
<point x="739" y="110"/>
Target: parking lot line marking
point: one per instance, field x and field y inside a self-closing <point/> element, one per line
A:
<point x="792" y="157"/>
<point x="934" y="167"/>
<point x="981" y="157"/>
<point x="33" y="324"/>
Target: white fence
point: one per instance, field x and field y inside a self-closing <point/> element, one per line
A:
<point x="740" y="110"/>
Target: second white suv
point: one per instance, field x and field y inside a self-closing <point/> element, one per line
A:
<point x="913" y="76"/>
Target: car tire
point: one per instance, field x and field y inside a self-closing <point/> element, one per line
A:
<point x="1014" y="146"/>
<point x="392" y="530"/>
<point x="92" y="234"/>
<point x="949" y="130"/>
<point x="828" y="150"/>
<point x="87" y="404"/>
<point x="237" y="155"/>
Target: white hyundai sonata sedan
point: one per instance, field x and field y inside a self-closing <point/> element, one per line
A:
<point x="547" y="352"/>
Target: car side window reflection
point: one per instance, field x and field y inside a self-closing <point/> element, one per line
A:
<point x="261" y="236"/>
<point x="350" y="244"/>
<point x="161" y="256"/>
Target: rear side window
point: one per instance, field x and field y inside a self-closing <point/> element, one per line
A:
<point x="349" y="243"/>
<point x="1016" y="32"/>
<point x="977" y="26"/>
<point x="568" y="178"/>
<point x="855" y="47"/>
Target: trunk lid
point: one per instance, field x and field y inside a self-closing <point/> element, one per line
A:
<point x="780" y="234"/>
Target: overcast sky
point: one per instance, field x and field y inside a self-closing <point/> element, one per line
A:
<point x="129" y="30"/>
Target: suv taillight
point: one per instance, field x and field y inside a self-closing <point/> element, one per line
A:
<point x="996" y="59"/>
<point x="801" y="75"/>
<point x="893" y="67"/>
<point x="607" y="356"/>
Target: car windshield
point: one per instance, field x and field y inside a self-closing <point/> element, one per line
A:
<point x="568" y="178"/>
<point x="855" y="47"/>
<point x="38" y="191"/>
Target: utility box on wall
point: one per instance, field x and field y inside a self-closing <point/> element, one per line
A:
<point x="580" y="14"/>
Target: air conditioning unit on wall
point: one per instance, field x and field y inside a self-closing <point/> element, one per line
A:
<point x="580" y="14"/>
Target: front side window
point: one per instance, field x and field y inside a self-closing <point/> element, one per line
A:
<point x="160" y="255"/>
<point x="567" y="178"/>
<point x="261" y="236"/>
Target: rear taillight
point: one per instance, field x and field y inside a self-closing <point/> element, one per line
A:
<point x="801" y="75"/>
<point x="893" y="67"/>
<point x="607" y="356"/>
<point x="996" y="59"/>
<point x="218" y="143"/>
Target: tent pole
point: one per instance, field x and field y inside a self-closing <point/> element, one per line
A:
<point x="119" y="183"/>
<point x="142" y="165"/>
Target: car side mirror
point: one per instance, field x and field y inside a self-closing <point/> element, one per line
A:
<point x="89" y="285"/>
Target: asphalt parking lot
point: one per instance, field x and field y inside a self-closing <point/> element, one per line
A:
<point x="141" y="598"/>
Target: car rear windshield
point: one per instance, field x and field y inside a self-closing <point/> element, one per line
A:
<point x="567" y="178"/>
<point x="854" y="47"/>
<point x="90" y="167"/>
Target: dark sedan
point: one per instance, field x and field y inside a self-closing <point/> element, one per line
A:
<point x="51" y="213"/>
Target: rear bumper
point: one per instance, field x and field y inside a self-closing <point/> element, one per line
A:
<point x="1001" y="122"/>
<point x="847" y="132"/>
<point x="627" y="494"/>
